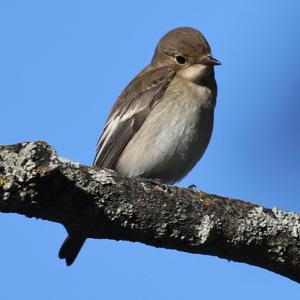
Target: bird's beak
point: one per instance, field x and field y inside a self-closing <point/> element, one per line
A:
<point x="209" y="60"/>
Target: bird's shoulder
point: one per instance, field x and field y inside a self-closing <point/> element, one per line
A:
<point x="142" y="92"/>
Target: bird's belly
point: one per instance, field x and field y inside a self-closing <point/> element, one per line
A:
<point x="171" y="141"/>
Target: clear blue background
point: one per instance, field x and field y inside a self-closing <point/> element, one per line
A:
<point x="62" y="65"/>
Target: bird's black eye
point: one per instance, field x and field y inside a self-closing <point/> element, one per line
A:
<point x="181" y="60"/>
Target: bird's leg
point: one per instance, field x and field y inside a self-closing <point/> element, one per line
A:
<point x="157" y="182"/>
<point x="194" y="188"/>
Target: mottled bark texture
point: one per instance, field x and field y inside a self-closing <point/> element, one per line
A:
<point x="35" y="182"/>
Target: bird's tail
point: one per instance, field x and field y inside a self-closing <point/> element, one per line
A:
<point x="70" y="248"/>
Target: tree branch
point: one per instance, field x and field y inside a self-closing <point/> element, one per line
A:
<point x="35" y="182"/>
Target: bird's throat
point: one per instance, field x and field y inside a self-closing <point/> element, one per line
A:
<point x="199" y="74"/>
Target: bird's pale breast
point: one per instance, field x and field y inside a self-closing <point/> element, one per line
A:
<point x="173" y="137"/>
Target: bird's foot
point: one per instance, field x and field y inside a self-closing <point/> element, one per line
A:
<point x="157" y="182"/>
<point x="194" y="188"/>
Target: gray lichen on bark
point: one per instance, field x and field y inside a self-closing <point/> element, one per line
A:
<point x="35" y="182"/>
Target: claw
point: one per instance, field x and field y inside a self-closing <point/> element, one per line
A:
<point x="194" y="188"/>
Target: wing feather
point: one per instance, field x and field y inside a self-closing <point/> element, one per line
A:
<point x="129" y="113"/>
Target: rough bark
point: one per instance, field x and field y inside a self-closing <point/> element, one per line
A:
<point x="35" y="182"/>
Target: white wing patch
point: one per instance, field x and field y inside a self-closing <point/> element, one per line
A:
<point x="129" y="113"/>
<point x="109" y="130"/>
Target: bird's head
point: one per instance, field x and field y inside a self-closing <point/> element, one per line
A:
<point x="186" y="50"/>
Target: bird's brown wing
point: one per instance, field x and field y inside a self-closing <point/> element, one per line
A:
<point x="129" y="113"/>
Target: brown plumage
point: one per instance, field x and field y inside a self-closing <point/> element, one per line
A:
<point x="161" y="124"/>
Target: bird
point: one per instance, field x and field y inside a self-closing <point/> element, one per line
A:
<point x="161" y="124"/>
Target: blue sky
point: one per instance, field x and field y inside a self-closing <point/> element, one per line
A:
<point x="62" y="65"/>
